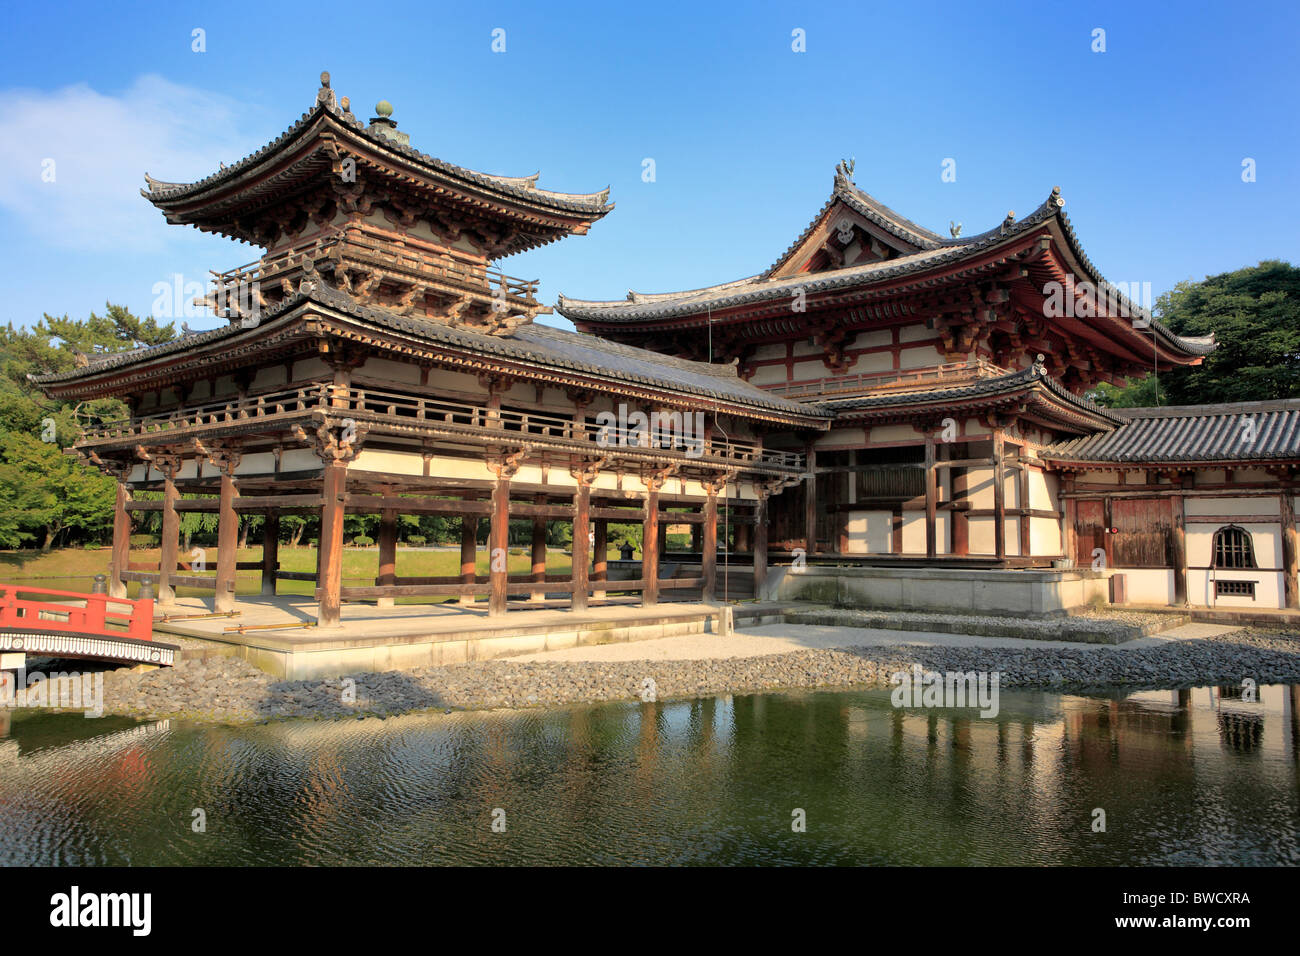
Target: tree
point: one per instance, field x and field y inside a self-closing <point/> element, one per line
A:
<point x="1254" y="314"/>
<point x="44" y="493"/>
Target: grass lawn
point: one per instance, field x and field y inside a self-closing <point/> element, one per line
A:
<point x="73" y="569"/>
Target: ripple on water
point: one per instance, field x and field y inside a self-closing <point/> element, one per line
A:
<point x="707" y="781"/>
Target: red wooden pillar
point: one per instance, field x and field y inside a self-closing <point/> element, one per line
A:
<point x="227" y="541"/>
<point x="539" y="553"/>
<point x="121" y="541"/>
<point x="810" y="503"/>
<point x="387" y="553"/>
<point x="650" y="546"/>
<point x="760" y="545"/>
<point x="600" y="556"/>
<point x="329" y="577"/>
<point x="270" y="550"/>
<point x="999" y="497"/>
<point x="499" y="547"/>
<point x="1070" y="521"/>
<point x="171" y="535"/>
<point x="1290" y="550"/>
<point x="468" y="553"/>
<point x="709" y="558"/>
<point x="931" y="497"/>
<point x="581" y="545"/>
<point x="1178" y="542"/>
<point x="1022" y="494"/>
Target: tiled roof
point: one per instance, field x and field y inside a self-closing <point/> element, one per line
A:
<point x="1245" y="431"/>
<point x="1034" y="376"/>
<point x="936" y="252"/>
<point x="539" y="344"/>
<point x="516" y="187"/>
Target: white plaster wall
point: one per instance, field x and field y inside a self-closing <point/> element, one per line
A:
<point x="870" y="532"/>
<point x="1149" y="585"/>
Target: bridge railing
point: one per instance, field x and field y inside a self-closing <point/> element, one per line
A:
<point x="24" y="608"/>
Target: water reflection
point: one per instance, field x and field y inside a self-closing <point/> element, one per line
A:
<point x="1189" y="776"/>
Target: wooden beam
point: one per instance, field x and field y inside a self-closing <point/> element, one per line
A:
<point x="1024" y="521"/>
<point x="1178" y="547"/>
<point x="1069" y="523"/>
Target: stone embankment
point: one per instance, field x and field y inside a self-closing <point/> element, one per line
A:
<point x="209" y="687"/>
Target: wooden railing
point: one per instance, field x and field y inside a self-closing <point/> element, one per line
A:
<point x="364" y="249"/>
<point x="41" y="609"/>
<point x="951" y="373"/>
<point x="396" y="409"/>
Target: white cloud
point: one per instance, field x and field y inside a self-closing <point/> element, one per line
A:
<point x="101" y="147"/>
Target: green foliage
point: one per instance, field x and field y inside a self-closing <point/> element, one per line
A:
<point x="1254" y="314"/>
<point x="363" y="541"/>
<point x="47" y="496"/>
<point x="416" y="539"/>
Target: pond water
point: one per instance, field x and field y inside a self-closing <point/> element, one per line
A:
<point x="1183" y="777"/>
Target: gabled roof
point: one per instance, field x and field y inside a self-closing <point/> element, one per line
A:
<point x="326" y="129"/>
<point x="537" y="345"/>
<point x="912" y="269"/>
<point x="1243" y="431"/>
<point x="846" y="195"/>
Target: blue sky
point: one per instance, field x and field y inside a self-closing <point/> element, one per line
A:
<point x="1146" y="140"/>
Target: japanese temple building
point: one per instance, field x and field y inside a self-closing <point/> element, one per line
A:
<point x="880" y="396"/>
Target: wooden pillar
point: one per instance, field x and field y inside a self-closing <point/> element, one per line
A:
<point x="270" y="550"/>
<point x="1178" y="547"/>
<point x="169" y="544"/>
<point x="329" y="577"/>
<point x="810" y="503"/>
<point x="1022" y="495"/>
<point x="539" y="553"/>
<point x="387" y="553"/>
<point x="1290" y="551"/>
<point x="760" y="545"/>
<point x="697" y="542"/>
<point x="581" y="545"/>
<point x="499" y="547"/>
<point x="999" y="497"/>
<point x="600" y="556"/>
<point x="121" y="541"/>
<point x="468" y="553"/>
<point x="650" y="546"/>
<point x="931" y="498"/>
<point x="663" y="534"/>
<point x="709" y="558"/>
<point x="960" y="520"/>
<point x="1070" y="521"/>
<point x="227" y="542"/>
<point x="743" y="536"/>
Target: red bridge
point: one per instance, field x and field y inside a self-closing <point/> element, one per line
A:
<point x="70" y="624"/>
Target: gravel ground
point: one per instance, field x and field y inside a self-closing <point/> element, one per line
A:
<point x="228" y="689"/>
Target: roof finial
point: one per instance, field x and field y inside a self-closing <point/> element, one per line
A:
<point x="844" y="169"/>
<point x="954" y="228"/>
<point x="1057" y="199"/>
<point x="383" y="124"/>
<point x="325" y="95"/>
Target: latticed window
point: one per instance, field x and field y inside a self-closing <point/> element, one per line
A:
<point x="1232" y="548"/>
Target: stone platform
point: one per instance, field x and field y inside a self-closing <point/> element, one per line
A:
<point x="1037" y="593"/>
<point x="417" y="635"/>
